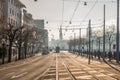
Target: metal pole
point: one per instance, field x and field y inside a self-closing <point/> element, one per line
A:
<point x="117" y="36"/>
<point x="79" y="40"/>
<point x="74" y="42"/>
<point x="104" y="34"/>
<point x="89" y="41"/>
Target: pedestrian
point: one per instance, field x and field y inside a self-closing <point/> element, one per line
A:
<point x="110" y="55"/>
<point x="98" y="54"/>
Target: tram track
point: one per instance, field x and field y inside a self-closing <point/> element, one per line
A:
<point x="77" y="72"/>
<point x="65" y="67"/>
<point x="49" y="73"/>
<point x="104" y="74"/>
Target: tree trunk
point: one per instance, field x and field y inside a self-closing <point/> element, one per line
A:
<point x="99" y="44"/>
<point x="19" y="52"/>
<point x="10" y="52"/>
<point x="109" y="46"/>
<point x="3" y="58"/>
<point x="3" y="52"/>
<point x="25" y="50"/>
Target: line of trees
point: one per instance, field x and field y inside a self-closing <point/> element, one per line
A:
<point x="97" y="38"/>
<point x="20" y="37"/>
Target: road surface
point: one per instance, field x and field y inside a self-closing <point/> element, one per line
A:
<point x="59" y="66"/>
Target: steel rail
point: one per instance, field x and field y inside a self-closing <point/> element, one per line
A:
<point x="99" y="72"/>
<point x="67" y="69"/>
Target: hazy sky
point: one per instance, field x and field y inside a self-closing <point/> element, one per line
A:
<point x="51" y="11"/>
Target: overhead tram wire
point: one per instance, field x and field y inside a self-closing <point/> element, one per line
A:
<point x="75" y="9"/>
<point x="91" y="1"/>
<point x="93" y="7"/>
<point x="89" y="11"/>
<point x="78" y="2"/>
<point x="75" y="26"/>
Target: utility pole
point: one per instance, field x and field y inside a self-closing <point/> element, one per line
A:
<point x="74" y="41"/>
<point x="79" y="40"/>
<point x="117" y="36"/>
<point x="104" y="34"/>
<point x="89" y="27"/>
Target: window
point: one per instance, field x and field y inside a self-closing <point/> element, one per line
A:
<point x="12" y="1"/>
<point x="11" y="21"/>
<point x="15" y="13"/>
<point x="16" y="23"/>
<point x="18" y="15"/>
<point x="8" y="20"/>
<point x="10" y="10"/>
<point x="9" y="0"/>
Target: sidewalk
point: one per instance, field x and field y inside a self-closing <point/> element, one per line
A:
<point x="95" y="61"/>
<point x="19" y="62"/>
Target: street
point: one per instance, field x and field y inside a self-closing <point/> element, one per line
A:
<point x="59" y="66"/>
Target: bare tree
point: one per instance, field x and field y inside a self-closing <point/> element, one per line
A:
<point x="10" y="34"/>
<point x="97" y="35"/>
<point x="18" y="41"/>
<point x="110" y="30"/>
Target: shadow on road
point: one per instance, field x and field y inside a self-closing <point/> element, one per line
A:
<point x="111" y="66"/>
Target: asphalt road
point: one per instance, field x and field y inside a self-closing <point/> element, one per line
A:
<point x="26" y="70"/>
<point x="61" y="66"/>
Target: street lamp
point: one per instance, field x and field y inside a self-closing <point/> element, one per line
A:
<point x="89" y="41"/>
<point x="85" y="3"/>
<point x="104" y="34"/>
<point x="117" y="35"/>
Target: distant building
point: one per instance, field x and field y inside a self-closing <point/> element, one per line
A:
<point x="12" y="12"/>
<point x="39" y="23"/>
<point x="43" y="34"/>
<point x="63" y="44"/>
<point x="42" y="38"/>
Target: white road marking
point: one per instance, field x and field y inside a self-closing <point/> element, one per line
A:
<point x="16" y="76"/>
<point x="8" y="74"/>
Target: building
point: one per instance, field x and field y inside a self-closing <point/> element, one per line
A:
<point x="1" y="18"/>
<point x="39" y="23"/>
<point x="63" y="44"/>
<point x="42" y="35"/>
<point x="27" y="20"/>
<point x="1" y="14"/>
<point x="12" y="12"/>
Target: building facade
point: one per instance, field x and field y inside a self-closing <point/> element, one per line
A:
<point x="39" y="23"/>
<point x="12" y="12"/>
<point x="42" y="35"/>
<point x="1" y="11"/>
<point x="27" y="19"/>
<point x="1" y="14"/>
